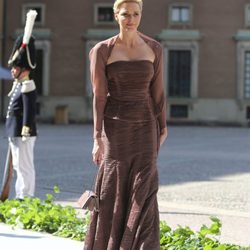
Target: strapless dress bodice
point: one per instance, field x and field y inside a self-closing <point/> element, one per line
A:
<point x="129" y="95"/>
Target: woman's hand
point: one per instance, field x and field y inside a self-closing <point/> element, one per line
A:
<point x="163" y="135"/>
<point x="98" y="151"/>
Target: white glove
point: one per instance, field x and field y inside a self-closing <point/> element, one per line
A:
<point x="24" y="138"/>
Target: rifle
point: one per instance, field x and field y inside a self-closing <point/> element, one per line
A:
<point x="7" y="177"/>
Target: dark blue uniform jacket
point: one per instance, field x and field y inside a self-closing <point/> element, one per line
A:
<point x="22" y="109"/>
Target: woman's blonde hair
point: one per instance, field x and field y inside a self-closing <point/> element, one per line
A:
<point x="119" y="2"/>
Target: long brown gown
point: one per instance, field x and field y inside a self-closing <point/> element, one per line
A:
<point x="127" y="182"/>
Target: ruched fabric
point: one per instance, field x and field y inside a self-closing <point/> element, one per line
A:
<point x="127" y="182"/>
<point x="129" y="96"/>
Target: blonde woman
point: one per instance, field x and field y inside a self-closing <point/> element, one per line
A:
<point x="129" y="127"/>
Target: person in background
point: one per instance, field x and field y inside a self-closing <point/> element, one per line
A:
<point x="129" y="127"/>
<point x="20" y="119"/>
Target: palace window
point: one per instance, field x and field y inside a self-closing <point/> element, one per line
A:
<point x="180" y="14"/>
<point x="247" y="15"/>
<point x="178" y="111"/>
<point x="39" y="8"/>
<point x="247" y="75"/>
<point x="104" y="14"/>
<point x="248" y="113"/>
<point x="179" y="73"/>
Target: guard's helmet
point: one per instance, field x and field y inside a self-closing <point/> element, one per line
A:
<point x="23" y="56"/>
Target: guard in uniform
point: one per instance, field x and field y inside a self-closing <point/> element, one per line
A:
<point x="20" y="119"/>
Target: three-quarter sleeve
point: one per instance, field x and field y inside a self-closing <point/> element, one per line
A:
<point x="99" y="86"/>
<point x="157" y="89"/>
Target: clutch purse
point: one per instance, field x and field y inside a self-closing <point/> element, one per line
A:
<point x="89" y="201"/>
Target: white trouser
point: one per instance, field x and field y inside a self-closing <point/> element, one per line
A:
<point x="23" y="163"/>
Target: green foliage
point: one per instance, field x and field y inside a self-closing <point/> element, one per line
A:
<point x="56" y="189"/>
<point x="183" y="238"/>
<point x="47" y="216"/>
<point x="44" y="216"/>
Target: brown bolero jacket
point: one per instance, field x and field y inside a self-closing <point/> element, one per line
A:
<point x="99" y="55"/>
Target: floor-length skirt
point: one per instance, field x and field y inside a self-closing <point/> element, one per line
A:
<point x="127" y="185"/>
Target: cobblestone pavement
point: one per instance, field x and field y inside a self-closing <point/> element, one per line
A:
<point x="203" y="171"/>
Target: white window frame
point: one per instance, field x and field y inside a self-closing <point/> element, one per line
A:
<point x="180" y="5"/>
<point x="89" y="45"/>
<point x="242" y="48"/>
<point x="32" y="6"/>
<point x="247" y="15"/>
<point x="46" y="47"/>
<point x="100" y="5"/>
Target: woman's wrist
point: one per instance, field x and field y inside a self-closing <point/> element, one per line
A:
<point x="97" y="140"/>
<point x="163" y="131"/>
